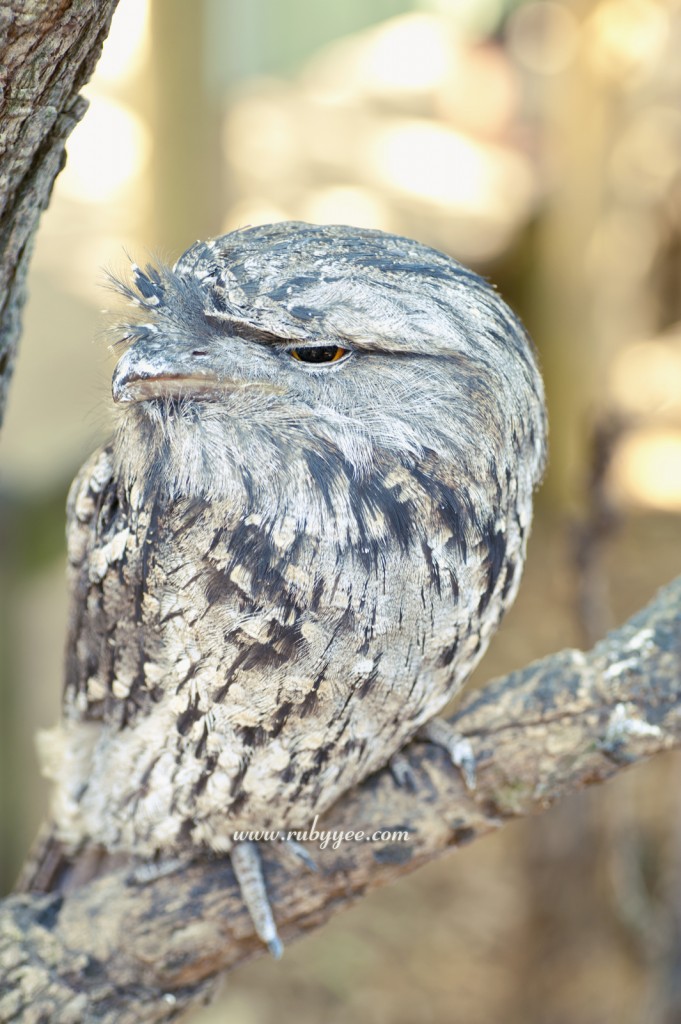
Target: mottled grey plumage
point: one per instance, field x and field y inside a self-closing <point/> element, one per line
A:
<point x="280" y="570"/>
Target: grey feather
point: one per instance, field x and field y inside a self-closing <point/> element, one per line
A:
<point x="280" y="569"/>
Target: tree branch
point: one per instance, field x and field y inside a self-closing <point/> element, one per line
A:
<point x="121" y="950"/>
<point x="47" y="52"/>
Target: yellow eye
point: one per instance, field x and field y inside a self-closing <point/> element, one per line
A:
<point x="320" y="354"/>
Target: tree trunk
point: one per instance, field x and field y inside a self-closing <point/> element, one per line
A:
<point x="48" y="51"/>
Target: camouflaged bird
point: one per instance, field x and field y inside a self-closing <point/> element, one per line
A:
<point x="300" y="540"/>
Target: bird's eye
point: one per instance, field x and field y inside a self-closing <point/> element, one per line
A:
<point x="318" y="354"/>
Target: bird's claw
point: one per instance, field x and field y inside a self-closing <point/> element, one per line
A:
<point x="442" y="734"/>
<point x="298" y="851"/>
<point x="149" y="871"/>
<point x="402" y="772"/>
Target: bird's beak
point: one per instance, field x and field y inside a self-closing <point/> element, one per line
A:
<point x="146" y="371"/>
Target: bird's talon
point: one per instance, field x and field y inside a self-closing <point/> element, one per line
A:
<point x="298" y="851"/>
<point x="149" y="871"/>
<point x="402" y="772"/>
<point x="464" y="759"/>
<point x="439" y="732"/>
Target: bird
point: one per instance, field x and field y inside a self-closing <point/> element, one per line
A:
<point x="295" y="548"/>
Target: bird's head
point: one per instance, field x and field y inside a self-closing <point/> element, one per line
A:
<point x="279" y="360"/>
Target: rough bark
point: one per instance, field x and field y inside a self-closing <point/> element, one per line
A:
<point x="120" y="949"/>
<point x="48" y="51"/>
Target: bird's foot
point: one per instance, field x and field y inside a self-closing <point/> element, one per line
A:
<point x="442" y="734"/>
<point x="149" y="871"/>
<point x="402" y="772"/>
<point x="247" y="866"/>
<point x="297" y="850"/>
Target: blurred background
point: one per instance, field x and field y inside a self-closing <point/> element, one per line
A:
<point x="539" y="142"/>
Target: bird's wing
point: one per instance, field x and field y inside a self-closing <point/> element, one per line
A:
<point x="106" y="548"/>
